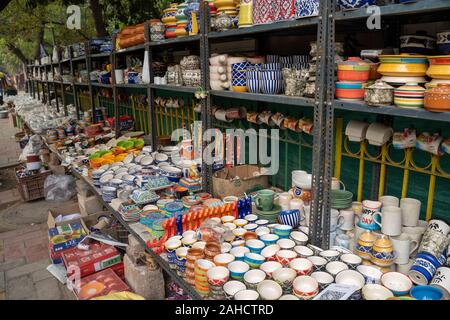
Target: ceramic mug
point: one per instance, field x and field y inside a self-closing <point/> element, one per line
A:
<point x="264" y="199"/>
<point x="403" y="247"/>
<point x="367" y="220"/>
<point x="441" y="279"/>
<point x="336" y="220"/>
<point x="389" y="201"/>
<point x="349" y="219"/>
<point x="336" y="184"/>
<point x="439" y="225"/>
<point x="391" y="220"/>
<point x="410" y="211"/>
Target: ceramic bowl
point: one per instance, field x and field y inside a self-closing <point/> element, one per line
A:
<point x="282" y="230"/>
<point x="286" y="244"/>
<point x="376" y="292"/>
<point x="350" y="277"/>
<point x="371" y="274"/>
<point x="269" y="290"/>
<point x="284" y="275"/>
<point x="288" y="297"/>
<point x="285" y="256"/>
<point x="240" y="222"/>
<point x="319" y="263"/>
<point x="223" y="259"/>
<point x="239" y="232"/>
<point x="255" y="246"/>
<point x="302" y="266"/>
<point x="350" y="90"/>
<point x="269" y="239"/>
<point x="251" y="218"/>
<point x="260" y="231"/>
<point x="202" y="266"/>
<point x="232" y="287"/>
<point x="403" y="65"/>
<point x="239" y="252"/>
<point x="218" y="276"/>
<point x="238" y="243"/>
<point x="225" y="247"/>
<point x="230" y="226"/>
<point x="303" y="251"/>
<point x="190" y="234"/>
<point x="254" y="260"/>
<point x="299" y="238"/>
<point x="227" y="219"/>
<point x="323" y="278"/>
<point x="246" y="295"/>
<point x="398" y="283"/>
<point x="251" y="227"/>
<point x="427" y="293"/>
<point x="269" y="267"/>
<point x="253" y="277"/>
<point x="238" y="269"/>
<point x="199" y="245"/>
<point x="305" y="287"/>
<point x="330" y="255"/>
<point x="270" y="252"/>
<point x="334" y="267"/>
<point x="351" y="260"/>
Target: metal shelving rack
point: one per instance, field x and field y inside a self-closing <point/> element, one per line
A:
<point x="324" y="103"/>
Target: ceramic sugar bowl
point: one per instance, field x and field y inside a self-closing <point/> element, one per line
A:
<point x="365" y="245"/>
<point x="379" y="94"/>
<point x="382" y="253"/>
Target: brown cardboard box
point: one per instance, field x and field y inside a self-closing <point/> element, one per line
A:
<point x="65" y="211"/>
<point x="226" y="183"/>
<point x="89" y="205"/>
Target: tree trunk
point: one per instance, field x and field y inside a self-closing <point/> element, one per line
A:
<point x="17" y="52"/>
<point x="98" y="18"/>
<point x="40" y="39"/>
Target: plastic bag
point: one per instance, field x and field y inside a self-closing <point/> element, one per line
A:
<point x="59" y="188"/>
<point x="33" y="146"/>
<point x="213" y="231"/>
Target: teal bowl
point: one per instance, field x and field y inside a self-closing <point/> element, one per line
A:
<point x="254" y="260"/>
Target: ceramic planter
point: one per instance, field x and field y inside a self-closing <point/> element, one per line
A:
<point x="439" y="67"/>
<point x="403" y="65"/>
<point x="379" y="94"/>
<point x="438" y="99"/>
<point x="306" y="8"/>
<point x="410" y="95"/>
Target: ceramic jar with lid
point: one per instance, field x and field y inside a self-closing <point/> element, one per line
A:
<point x="411" y="95"/>
<point x="438" y="99"/>
<point x="382" y="253"/>
<point x="353" y="69"/>
<point x="403" y="65"/>
<point x="223" y="22"/>
<point x="365" y="244"/>
<point x="379" y="94"/>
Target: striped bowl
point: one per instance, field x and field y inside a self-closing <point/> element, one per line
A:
<point x="410" y="95"/>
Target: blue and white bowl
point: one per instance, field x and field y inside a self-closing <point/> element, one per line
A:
<point x="254" y="260"/>
<point x="271" y="74"/>
<point x="283" y="230"/>
<point x="238" y="269"/>
<point x="253" y="85"/>
<point x="397" y="282"/>
<point x="272" y="86"/>
<point x="255" y="246"/>
<point x="109" y="193"/>
<point x="269" y="239"/>
<point x="290" y="218"/>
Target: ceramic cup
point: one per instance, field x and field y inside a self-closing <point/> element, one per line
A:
<point x="367" y="220"/>
<point x="440" y="226"/>
<point x="403" y="247"/>
<point x="264" y="200"/>
<point x="389" y="201"/>
<point x="348" y="216"/>
<point x="336" y="220"/>
<point x="391" y="220"/>
<point x="410" y="211"/>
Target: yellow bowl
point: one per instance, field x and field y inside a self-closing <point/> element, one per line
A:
<point x="403" y="69"/>
<point x="441" y="71"/>
<point x="239" y="88"/>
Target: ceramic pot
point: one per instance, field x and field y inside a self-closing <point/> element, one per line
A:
<point x="439" y="67"/>
<point x="353" y="69"/>
<point x="346" y="90"/>
<point x="223" y="22"/>
<point x="438" y="99"/>
<point x="245" y="14"/>
<point x="382" y="253"/>
<point x="306" y="8"/>
<point x="403" y="65"/>
<point x="379" y="94"/>
<point x="365" y="244"/>
<point x="410" y="95"/>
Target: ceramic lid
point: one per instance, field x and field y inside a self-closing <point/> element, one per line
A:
<point x="383" y="242"/>
<point x="367" y="236"/>
<point x="354" y="63"/>
<point x="380" y="84"/>
<point x="411" y="86"/>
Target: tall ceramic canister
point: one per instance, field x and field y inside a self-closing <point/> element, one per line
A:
<point x="245" y="14"/>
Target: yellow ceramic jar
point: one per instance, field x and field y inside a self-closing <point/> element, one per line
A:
<point x="365" y="244"/>
<point x="223" y="5"/>
<point x="245" y="14"/>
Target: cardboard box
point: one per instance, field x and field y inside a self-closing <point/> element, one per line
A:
<point x="238" y="180"/>
<point x="89" y="205"/>
<point x="64" y="211"/>
<point x="83" y="188"/>
<point x="66" y="236"/>
<point x="100" y="256"/>
<point x="100" y="284"/>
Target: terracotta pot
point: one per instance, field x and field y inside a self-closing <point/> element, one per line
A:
<point x="438" y="99"/>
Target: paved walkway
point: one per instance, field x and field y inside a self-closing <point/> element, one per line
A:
<point x="10" y="149"/>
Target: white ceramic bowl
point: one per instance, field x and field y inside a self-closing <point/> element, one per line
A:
<point x="224" y="259"/>
<point x="270" y="266"/>
<point x="334" y="267"/>
<point x="227" y="219"/>
<point x="299" y="237"/>
<point x="370" y="273"/>
<point x="330" y="255"/>
<point x="269" y="290"/>
<point x="246" y="295"/>
<point x="199" y="245"/>
<point x="376" y="292"/>
<point x="284" y="275"/>
<point x="397" y="282"/>
<point x="225" y="247"/>
<point x="323" y="278"/>
<point x="285" y="256"/>
<point x="239" y="252"/>
<point x="254" y="245"/>
<point x="305" y="287"/>
<point x="351" y="278"/>
<point x="218" y="276"/>
<point x="254" y="277"/>
<point x="238" y="269"/>
<point x="270" y="251"/>
<point x="303" y="251"/>
<point x="288" y="297"/>
<point x="190" y="234"/>
<point x="260" y="231"/>
<point x="239" y="232"/>
<point x="230" y="226"/>
<point x="286" y="244"/>
<point x="233" y="286"/>
<point x="318" y="262"/>
<point x="302" y="266"/>
<point x="251" y="217"/>
<point x="352" y="260"/>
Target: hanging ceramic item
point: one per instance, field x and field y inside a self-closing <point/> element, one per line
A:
<point x="146" y="69"/>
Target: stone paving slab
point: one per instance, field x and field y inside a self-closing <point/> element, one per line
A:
<point x="10" y="148"/>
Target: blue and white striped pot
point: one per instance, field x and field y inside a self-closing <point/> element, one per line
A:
<point x="290" y="218"/>
<point x="271" y="86"/>
<point x="254" y="85"/>
<point x="424" y="268"/>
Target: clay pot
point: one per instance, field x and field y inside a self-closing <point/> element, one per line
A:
<point x="438" y="99"/>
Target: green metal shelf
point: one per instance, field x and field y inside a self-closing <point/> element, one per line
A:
<point x="100" y="55"/>
<point x="173" y="88"/>
<point x="269" y="98"/>
<point x="421" y="114"/>
<point x="264" y="28"/>
<point x="421" y="7"/>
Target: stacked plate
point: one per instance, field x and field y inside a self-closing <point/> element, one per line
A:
<point x="141" y="197"/>
<point x="271" y="216"/>
<point x="341" y="199"/>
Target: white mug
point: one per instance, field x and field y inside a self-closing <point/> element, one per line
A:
<point x="403" y="247"/>
<point x="439" y="225"/>
<point x="404" y="268"/>
<point x="411" y="211"/>
<point x="349" y="219"/>
<point x="336" y="220"/>
<point x="336" y="184"/>
<point x="391" y="220"/>
<point x="390" y="201"/>
<point x="442" y="278"/>
<point x="119" y="76"/>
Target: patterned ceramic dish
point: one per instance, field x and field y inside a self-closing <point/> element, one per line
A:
<point x="439" y="67"/>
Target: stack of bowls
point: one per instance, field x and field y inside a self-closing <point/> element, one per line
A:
<point x="217" y="277"/>
<point x="341" y="199"/>
<point x="201" y="279"/>
<point x="271" y="216"/>
<point x="254" y="80"/>
<point x="352" y="76"/>
<point x="271" y="78"/>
